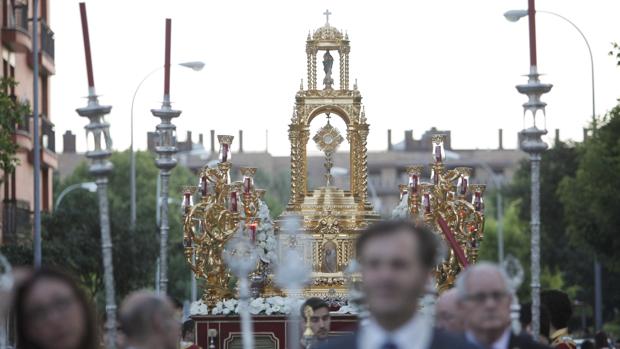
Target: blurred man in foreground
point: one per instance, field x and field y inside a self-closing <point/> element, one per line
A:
<point x="448" y="316"/>
<point x="396" y="259"/>
<point x="148" y="321"/>
<point x="485" y="297"/>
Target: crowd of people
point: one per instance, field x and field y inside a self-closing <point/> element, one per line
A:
<point x="397" y="259"/>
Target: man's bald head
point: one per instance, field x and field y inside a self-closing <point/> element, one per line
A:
<point x="145" y="315"/>
<point x="448" y="313"/>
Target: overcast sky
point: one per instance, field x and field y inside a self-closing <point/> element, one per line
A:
<point x="452" y="64"/>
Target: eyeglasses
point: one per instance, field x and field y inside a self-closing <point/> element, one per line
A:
<point x="41" y="312"/>
<point x="481" y="298"/>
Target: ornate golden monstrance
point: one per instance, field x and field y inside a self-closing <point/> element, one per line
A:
<point x="330" y="218"/>
<point x="326" y="220"/>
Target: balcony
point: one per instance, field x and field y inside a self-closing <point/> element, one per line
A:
<point x="48" y="136"/>
<point x="16" y="32"/>
<point x="16" y="220"/>
<point x="47" y="40"/>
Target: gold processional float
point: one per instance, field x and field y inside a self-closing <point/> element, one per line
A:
<point x="329" y="218"/>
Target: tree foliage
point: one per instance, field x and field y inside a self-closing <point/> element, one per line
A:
<point x="71" y="235"/>
<point x="12" y="112"/>
<point x="590" y="196"/>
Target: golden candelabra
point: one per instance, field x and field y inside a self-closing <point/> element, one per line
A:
<point x="444" y="205"/>
<point x="210" y="223"/>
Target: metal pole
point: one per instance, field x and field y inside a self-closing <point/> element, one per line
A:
<point x="591" y="62"/>
<point x="99" y="151"/>
<point x="37" y="138"/>
<point x="65" y="192"/>
<point x="164" y="229"/>
<point x="132" y="170"/>
<point x="535" y="242"/>
<point x="598" y="296"/>
<point x="194" y="294"/>
<point x="500" y="225"/>
<point x="108" y="266"/>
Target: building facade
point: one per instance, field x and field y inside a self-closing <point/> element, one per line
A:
<point x="17" y="188"/>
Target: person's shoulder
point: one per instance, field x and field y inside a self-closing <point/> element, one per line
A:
<point x="447" y="340"/>
<point x="522" y="341"/>
<point x="348" y="341"/>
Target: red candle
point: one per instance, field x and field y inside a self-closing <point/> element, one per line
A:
<point x="187" y="199"/>
<point x="478" y="203"/>
<point x="167" y="59"/>
<point x="426" y="202"/>
<point x="89" y="61"/>
<point x="463" y="186"/>
<point x="224" y="155"/>
<point x="438" y="156"/>
<point x="253" y="232"/>
<point x="233" y="201"/>
<point x="247" y="185"/>
<point x="203" y="186"/>
<point x="413" y="183"/>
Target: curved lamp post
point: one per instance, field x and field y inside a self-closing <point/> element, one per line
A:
<point x="513" y="16"/>
<point x="533" y="144"/>
<point x="193" y="65"/>
<point x="90" y="186"/>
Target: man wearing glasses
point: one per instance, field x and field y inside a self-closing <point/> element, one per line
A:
<point x="485" y="297"/>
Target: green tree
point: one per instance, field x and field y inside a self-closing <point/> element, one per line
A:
<point x="590" y="196"/>
<point x="278" y="189"/>
<point x="71" y="238"/>
<point x="12" y="113"/>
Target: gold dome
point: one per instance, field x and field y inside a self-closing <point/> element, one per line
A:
<point x="327" y="32"/>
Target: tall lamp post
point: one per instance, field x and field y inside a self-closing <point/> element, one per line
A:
<point x="533" y="144"/>
<point x="193" y="65"/>
<point x="513" y="16"/>
<point x="165" y="149"/>
<point x="99" y="150"/>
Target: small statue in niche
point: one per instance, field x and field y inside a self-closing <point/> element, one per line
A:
<point x="330" y="260"/>
<point x="328" y="62"/>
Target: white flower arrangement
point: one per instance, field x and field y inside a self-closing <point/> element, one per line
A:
<point x="258" y="306"/>
<point x="265" y="236"/>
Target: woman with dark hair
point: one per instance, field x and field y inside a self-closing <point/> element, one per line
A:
<point x="52" y="312"/>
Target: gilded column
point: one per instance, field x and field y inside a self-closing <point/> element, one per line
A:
<point x="303" y="161"/>
<point x="293" y="137"/>
<point x="342" y="70"/>
<point x="309" y="68"/>
<point x="314" y="70"/>
<point x="346" y="70"/>
<point x="363" y="163"/>
<point x="352" y="160"/>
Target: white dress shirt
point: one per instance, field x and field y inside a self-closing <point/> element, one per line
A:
<point x="501" y="343"/>
<point x="416" y="333"/>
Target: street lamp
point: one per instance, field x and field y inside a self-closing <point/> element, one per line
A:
<point x="165" y="162"/>
<point x="193" y="65"/>
<point x="513" y="16"/>
<point x="99" y="150"/>
<point x="90" y="186"/>
<point x="533" y="144"/>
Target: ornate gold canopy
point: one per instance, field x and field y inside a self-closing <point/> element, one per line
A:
<point x="330" y="217"/>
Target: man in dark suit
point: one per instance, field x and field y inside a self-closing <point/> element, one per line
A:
<point x="396" y="260"/>
<point x="485" y="297"/>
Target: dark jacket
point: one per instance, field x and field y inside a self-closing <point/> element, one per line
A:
<point x="524" y="342"/>
<point x="441" y="340"/>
